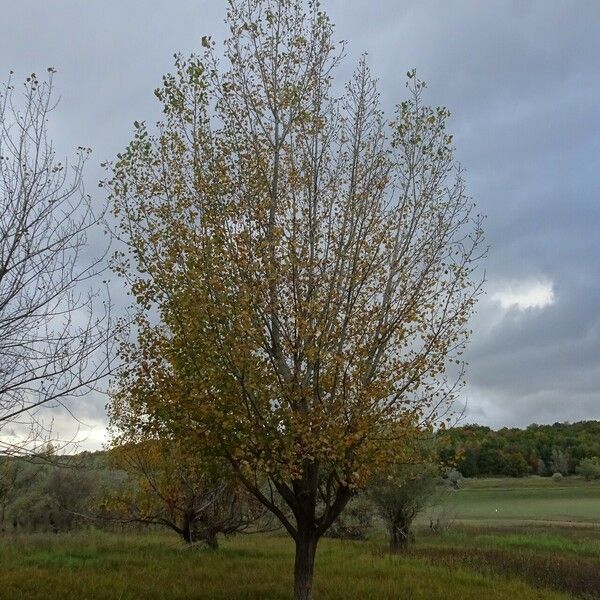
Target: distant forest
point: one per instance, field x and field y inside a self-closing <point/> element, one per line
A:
<point x="478" y="451"/>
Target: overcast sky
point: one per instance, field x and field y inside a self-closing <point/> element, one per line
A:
<point x="522" y="79"/>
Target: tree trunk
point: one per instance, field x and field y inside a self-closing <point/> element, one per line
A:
<point x="398" y="539"/>
<point x="211" y="540"/>
<point x="186" y="529"/>
<point x="306" y="546"/>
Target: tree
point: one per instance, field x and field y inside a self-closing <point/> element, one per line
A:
<point x="53" y="336"/>
<point x="302" y="268"/>
<point x="64" y="498"/>
<point x="478" y="451"/>
<point x="47" y="496"/>
<point x="168" y="487"/>
<point x="560" y="461"/>
<point x="541" y="467"/>
<point x="589" y="468"/>
<point x="12" y="474"/>
<point x="454" y="478"/>
<point x="400" y="497"/>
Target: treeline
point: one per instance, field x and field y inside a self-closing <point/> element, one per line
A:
<point x="128" y="488"/>
<point x="131" y="488"/>
<point x="54" y="493"/>
<point x="478" y="451"/>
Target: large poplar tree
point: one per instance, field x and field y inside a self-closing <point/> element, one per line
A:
<point x="302" y="267"/>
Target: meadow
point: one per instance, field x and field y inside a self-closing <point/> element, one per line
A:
<point x="486" y="554"/>
<point x="571" y="501"/>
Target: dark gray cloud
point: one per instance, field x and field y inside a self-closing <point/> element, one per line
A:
<point x="522" y="78"/>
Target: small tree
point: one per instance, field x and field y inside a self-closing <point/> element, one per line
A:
<point x="400" y="498"/>
<point x="53" y="331"/>
<point x="454" y="479"/>
<point x="589" y="468"/>
<point x="170" y="488"/>
<point x="70" y="492"/>
<point x="14" y="476"/>
<point x="541" y="467"/>
<point x="302" y="267"/>
<point x="559" y="462"/>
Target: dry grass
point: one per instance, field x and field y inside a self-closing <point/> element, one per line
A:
<point x="551" y="563"/>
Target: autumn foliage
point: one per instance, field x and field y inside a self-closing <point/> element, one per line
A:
<point x="302" y="267"/>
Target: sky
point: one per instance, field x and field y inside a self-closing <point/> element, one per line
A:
<point x="522" y="80"/>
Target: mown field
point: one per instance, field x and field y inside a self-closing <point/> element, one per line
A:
<point x="570" y="501"/>
<point x="486" y="554"/>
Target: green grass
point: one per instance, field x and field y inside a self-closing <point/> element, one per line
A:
<point x="536" y="529"/>
<point x="98" y="566"/>
<point x="564" y="559"/>
<point x="540" y="541"/>
<point x="531" y="499"/>
<point x="543" y="543"/>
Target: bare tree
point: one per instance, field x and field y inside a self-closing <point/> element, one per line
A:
<point x="53" y="327"/>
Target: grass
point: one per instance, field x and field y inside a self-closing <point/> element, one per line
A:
<point x="565" y="560"/>
<point x="101" y="565"/>
<point x="540" y="540"/>
<point x="542" y="544"/>
<point x="532" y="499"/>
<point x="536" y="529"/>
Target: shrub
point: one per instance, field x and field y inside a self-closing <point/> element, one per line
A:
<point x="589" y="468"/>
<point x="441" y="517"/>
<point x="454" y="479"/>
<point x="354" y="522"/>
<point x="557" y="477"/>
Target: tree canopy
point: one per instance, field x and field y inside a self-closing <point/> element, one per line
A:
<point x="479" y="451"/>
<point x="302" y="267"/>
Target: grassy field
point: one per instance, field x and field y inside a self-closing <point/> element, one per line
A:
<point x="571" y="500"/>
<point x="156" y="567"/>
<point x="496" y="556"/>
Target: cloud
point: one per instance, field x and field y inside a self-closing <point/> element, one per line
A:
<point x="522" y="82"/>
<point x="525" y="294"/>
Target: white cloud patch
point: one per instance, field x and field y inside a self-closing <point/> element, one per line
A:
<point x="92" y="437"/>
<point x="525" y="294"/>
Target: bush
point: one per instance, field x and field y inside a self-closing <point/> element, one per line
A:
<point x="454" y="479"/>
<point x="441" y="514"/>
<point x="354" y="522"/>
<point x="589" y="468"/>
<point x="557" y="477"/>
